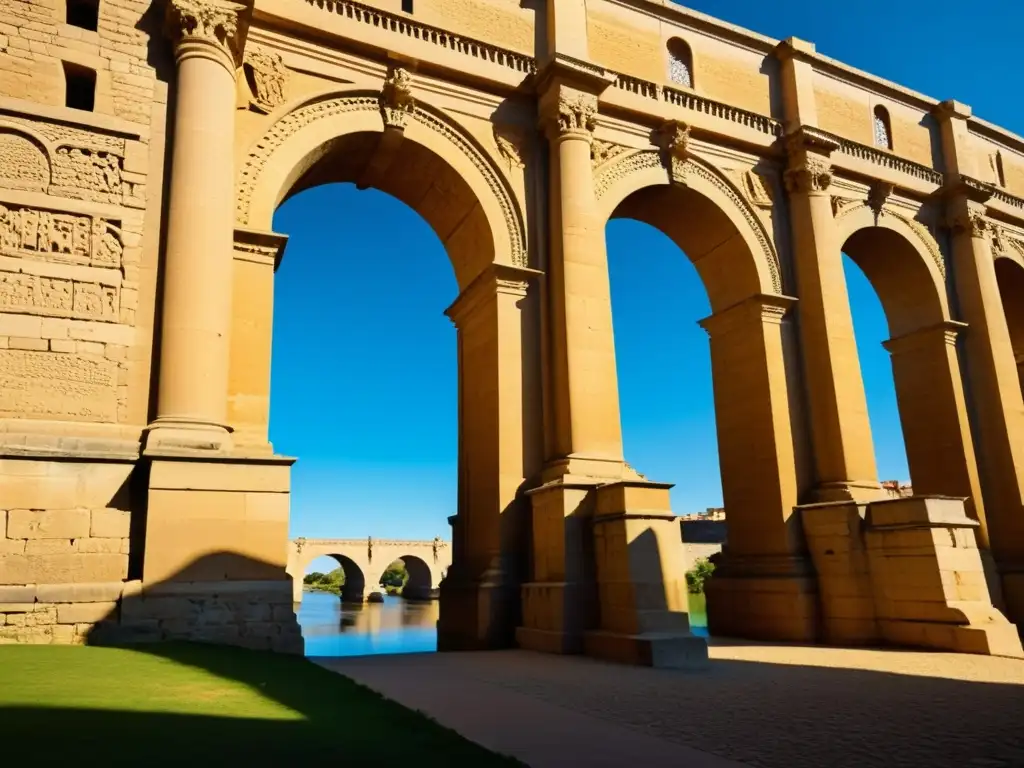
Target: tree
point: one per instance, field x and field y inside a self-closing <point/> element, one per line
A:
<point x="313" y="578"/>
<point x="697" y="576"/>
<point x="395" y="576"/>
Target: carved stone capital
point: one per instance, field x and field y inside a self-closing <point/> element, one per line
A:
<point x="944" y="333"/>
<point x="214" y="23"/>
<point x="396" y="101"/>
<point x="973" y="220"/>
<point x="812" y="173"/>
<point x="761" y="309"/>
<point x="574" y="114"/>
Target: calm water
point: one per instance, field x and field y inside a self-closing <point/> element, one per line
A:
<point x="394" y="626"/>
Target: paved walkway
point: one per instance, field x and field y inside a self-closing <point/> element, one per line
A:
<point x="771" y="706"/>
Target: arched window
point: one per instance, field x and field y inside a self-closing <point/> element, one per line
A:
<point x="680" y="63"/>
<point x="883" y="128"/>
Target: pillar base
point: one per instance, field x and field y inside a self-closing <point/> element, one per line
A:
<point x="476" y="616"/>
<point x="172" y="435"/>
<point x="553" y="617"/>
<point x="661" y="650"/>
<point x="849" y="490"/>
<point x="769" y="598"/>
<point x="1012" y="581"/>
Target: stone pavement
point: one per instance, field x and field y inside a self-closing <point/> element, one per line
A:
<point x="773" y="706"/>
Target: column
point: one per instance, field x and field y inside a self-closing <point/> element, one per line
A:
<point x="843" y="451"/>
<point x="197" y="270"/>
<point x="933" y="413"/>
<point x="764" y="586"/>
<point x="588" y="432"/>
<point x="479" y="596"/>
<point x="996" y="403"/>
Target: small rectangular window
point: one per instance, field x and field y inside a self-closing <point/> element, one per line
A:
<point x="407" y="6"/>
<point x="79" y="87"/>
<point x="83" y="13"/>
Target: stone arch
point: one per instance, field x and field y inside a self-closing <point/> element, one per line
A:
<point x="632" y="176"/>
<point x="1009" y="267"/>
<point x="24" y="159"/>
<point x="905" y="266"/>
<point x="903" y="262"/>
<point x="423" y="581"/>
<point x="304" y="132"/>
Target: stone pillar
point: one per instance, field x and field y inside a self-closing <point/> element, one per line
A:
<point x="843" y="451"/>
<point x="933" y="413"/>
<point x="763" y="585"/>
<point x="996" y="403"/>
<point x="197" y="269"/>
<point x="584" y="431"/>
<point x="480" y="595"/>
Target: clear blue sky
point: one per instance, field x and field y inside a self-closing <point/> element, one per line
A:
<point x="364" y="376"/>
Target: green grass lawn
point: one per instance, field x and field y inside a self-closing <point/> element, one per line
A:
<point x="195" y="705"/>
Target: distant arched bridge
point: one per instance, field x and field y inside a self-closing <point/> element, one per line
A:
<point x="365" y="560"/>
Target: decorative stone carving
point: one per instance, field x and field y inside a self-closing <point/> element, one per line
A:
<point x="23" y="163"/>
<point x="59" y="237"/>
<point x="577" y="113"/>
<point x="294" y="121"/>
<point x="843" y="205"/>
<point x="603" y="151"/>
<point x="674" y="139"/>
<point x="87" y="174"/>
<point x="396" y="101"/>
<point x="878" y="194"/>
<point x="643" y="160"/>
<point x="56" y="297"/>
<point x="53" y="385"/>
<point x="266" y="76"/>
<point x="205" y="21"/>
<point x="812" y="174"/>
<point x="754" y="186"/>
<point x="509" y="141"/>
<point x="973" y="221"/>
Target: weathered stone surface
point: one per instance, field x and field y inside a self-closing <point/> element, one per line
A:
<point x="48" y="523"/>
<point x="111" y="546"/>
<point x="110" y="523"/>
<point x="18" y="594"/>
<point x="78" y="593"/>
<point x="62" y="569"/>
<point x="78" y="613"/>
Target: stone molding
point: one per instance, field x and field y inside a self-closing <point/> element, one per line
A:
<point x="694" y="168"/>
<point x="209" y="23"/>
<point x="762" y="308"/>
<point x="332" y="105"/>
<point x="497" y="279"/>
<point x="946" y="331"/>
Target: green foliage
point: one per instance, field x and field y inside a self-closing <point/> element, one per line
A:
<point x="698" y="575"/>
<point x="325" y="582"/>
<point x="395" y="576"/>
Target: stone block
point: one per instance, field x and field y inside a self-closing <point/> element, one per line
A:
<point x="17" y="594"/>
<point x="110" y="523"/>
<point x="62" y="634"/>
<point x="112" y="546"/>
<point x="62" y="569"/>
<point x="12" y="546"/>
<point x="48" y="523"/>
<point x="86" y="613"/>
<point x="159" y="608"/>
<point x="919" y="510"/>
<point x="102" y="592"/>
<point x="50" y="546"/>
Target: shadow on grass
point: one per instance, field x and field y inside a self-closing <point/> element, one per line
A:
<point x="163" y="701"/>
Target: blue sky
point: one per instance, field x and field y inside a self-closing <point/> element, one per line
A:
<point x="364" y="378"/>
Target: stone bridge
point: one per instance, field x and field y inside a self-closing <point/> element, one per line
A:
<point x="365" y="560"/>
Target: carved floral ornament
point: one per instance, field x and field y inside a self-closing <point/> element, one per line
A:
<point x="205" y="21"/>
<point x="811" y="173"/>
<point x="577" y="114"/>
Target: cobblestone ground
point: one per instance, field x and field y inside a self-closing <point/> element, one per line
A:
<point x="786" y="706"/>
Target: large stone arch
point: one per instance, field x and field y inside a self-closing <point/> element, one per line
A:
<point x="903" y="262"/>
<point x="906" y="268"/>
<point x="302" y="132"/>
<point x="1009" y="267"/>
<point x="631" y="172"/>
<point x="709" y="219"/>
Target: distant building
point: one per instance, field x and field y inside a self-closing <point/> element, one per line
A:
<point x="896" y="489"/>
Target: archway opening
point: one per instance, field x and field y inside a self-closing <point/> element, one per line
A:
<point x="915" y="399"/>
<point x="365" y="366"/>
<point x="410" y="577"/>
<point x="689" y="408"/>
<point x="1010" y="278"/>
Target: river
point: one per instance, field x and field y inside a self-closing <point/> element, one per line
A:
<point x="394" y="626"/>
